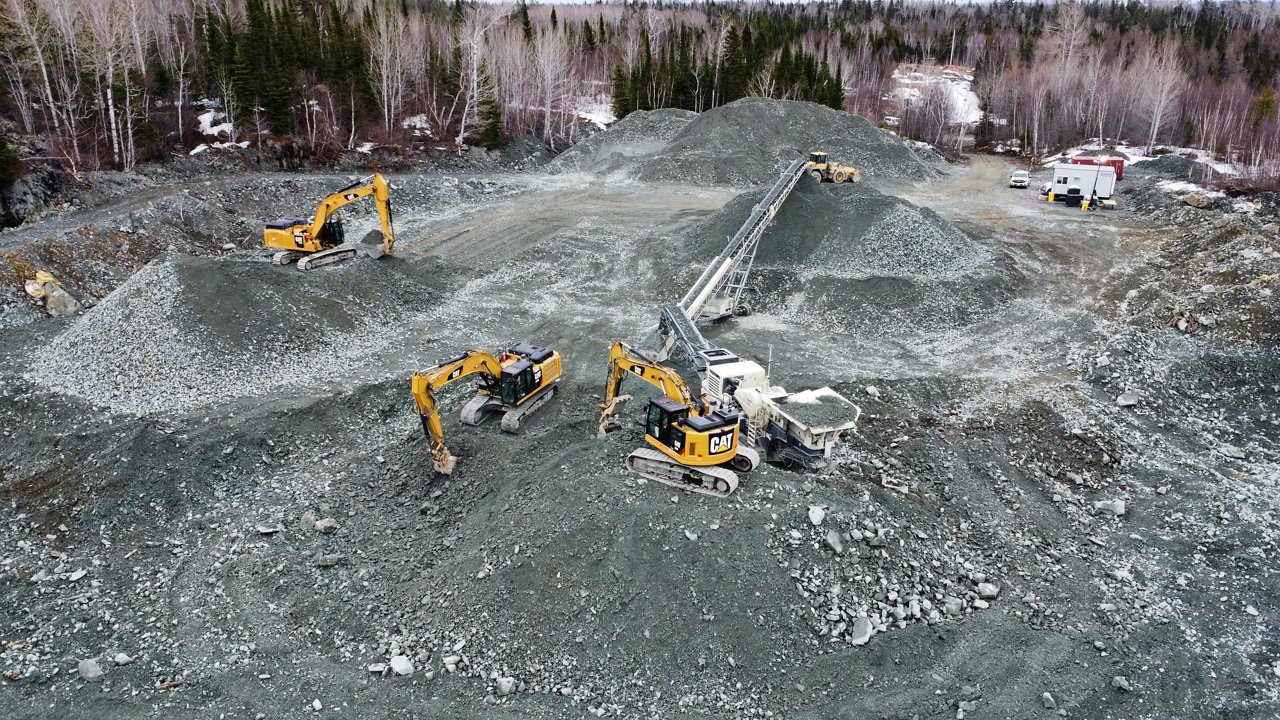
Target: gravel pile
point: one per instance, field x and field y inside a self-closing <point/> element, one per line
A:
<point x="187" y="332"/>
<point x="852" y="259"/>
<point x="749" y="141"/>
<point x="638" y="135"/>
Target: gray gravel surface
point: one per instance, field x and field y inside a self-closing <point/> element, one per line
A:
<point x="966" y="556"/>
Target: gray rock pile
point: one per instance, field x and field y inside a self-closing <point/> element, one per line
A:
<point x="186" y="332"/>
<point x="748" y="141"/>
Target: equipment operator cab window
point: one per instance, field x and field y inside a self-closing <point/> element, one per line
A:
<point x="664" y="415"/>
<point x="817" y="157"/>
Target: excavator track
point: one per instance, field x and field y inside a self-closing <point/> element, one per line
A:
<point x="478" y="409"/>
<point x="338" y="254"/>
<point x="714" y="481"/>
<point x="284" y="257"/>
<point x="513" y="420"/>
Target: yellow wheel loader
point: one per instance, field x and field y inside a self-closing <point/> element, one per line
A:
<point x="823" y="169"/>
<point x="321" y="240"/>
<point x="515" y="383"/>
<point x="690" y="445"/>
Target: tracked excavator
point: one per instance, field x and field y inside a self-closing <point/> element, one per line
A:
<point x="516" y="383"/>
<point x="691" y="446"/>
<point x="321" y="240"/>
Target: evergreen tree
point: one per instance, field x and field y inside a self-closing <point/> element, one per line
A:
<point x="10" y="165"/>
<point x="621" y="88"/>
<point x="489" y="114"/>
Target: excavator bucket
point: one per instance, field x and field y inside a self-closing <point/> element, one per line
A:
<point x="374" y="244"/>
<point x="609" y="414"/>
<point x="444" y="462"/>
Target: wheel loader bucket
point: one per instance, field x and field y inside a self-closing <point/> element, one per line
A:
<point x="374" y="244"/>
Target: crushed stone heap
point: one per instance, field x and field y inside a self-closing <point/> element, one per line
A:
<point x="185" y="332"/>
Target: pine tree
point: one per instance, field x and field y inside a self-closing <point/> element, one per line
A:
<point x="525" y="26"/>
<point x="621" y="88"/>
<point x="489" y="131"/>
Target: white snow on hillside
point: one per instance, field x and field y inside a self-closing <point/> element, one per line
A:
<point x="911" y="81"/>
<point x="1138" y="154"/>
<point x="420" y="125"/>
<point x="207" y="127"/>
<point x="597" y="110"/>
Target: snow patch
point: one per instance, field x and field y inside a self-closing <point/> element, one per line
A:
<point x="1181" y="187"/>
<point x="911" y="81"/>
<point x="365" y="147"/>
<point x="207" y="126"/>
<point x="597" y="110"/>
<point x="1138" y="154"/>
<point x="420" y="125"/>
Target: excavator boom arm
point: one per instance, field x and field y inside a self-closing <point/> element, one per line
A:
<point x="624" y="360"/>
<point x="374" y="185"/>
<point x="427" y="382"/>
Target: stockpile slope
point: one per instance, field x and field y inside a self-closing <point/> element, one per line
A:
<point x="639" y="135"/>
<point x="749" y="141"/>
<point x="850" y="259"/>
<point x="185" y="332"/>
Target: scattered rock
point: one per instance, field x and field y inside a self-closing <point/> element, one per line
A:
<point x="1196" y="200"/>
<point x="693" y="536"/>
<point x="952" y="606"/>
<point x="121" y="659"/>
<point x="401" y="665"/>
<point x="1110" y="507"/>
<point x="1048" y="701"/>
<point x="269" y="529"/>
<point x="873" y="391"/>
<point x="329" y="560"/>
<point x="833" y="541"/>
<point x="1121" y="682"/>
<point x="90" y="671"/>
<point x="861" y="632"/>
<point x="316" y="706"/>
<point x="817" y="514"/>
<point x="1231" y="451"/>
<point x="1251" y="610"/>
<point x="988" y="591"/>
<point x="1128" y="399"/>
<point x="327" y="526"/>
<point x="506" y="686"/>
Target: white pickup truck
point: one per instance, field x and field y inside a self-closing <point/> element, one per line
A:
<point x="1020" y="179"/>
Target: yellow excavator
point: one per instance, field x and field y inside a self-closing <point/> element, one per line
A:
<point x="691" y="445"/>
<point x="823" y="169"/>
<point x="516" y="383"/>
<point x="321" y="240"/>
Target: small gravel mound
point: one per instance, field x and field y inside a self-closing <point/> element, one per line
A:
<point x="186" y="332"/>
<point x="638" y="135"/>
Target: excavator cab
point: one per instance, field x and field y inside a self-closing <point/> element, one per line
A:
<point x="518" y="380"/>
<point x="665" y="417"/>
<point x="333" y="233"/>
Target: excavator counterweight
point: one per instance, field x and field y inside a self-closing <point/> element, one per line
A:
<point x="321" y="240"/>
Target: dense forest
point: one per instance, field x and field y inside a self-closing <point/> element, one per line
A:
<point x="115" y="82"/>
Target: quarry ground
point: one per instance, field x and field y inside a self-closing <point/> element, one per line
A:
<point x="167" y="454"/>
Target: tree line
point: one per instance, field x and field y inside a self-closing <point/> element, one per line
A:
<point x="115" y="82"/>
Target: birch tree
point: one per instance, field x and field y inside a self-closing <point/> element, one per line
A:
<point x="472" y="37"/>
<point x="388" y="40"/>
<point x="1162" y="75"/>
